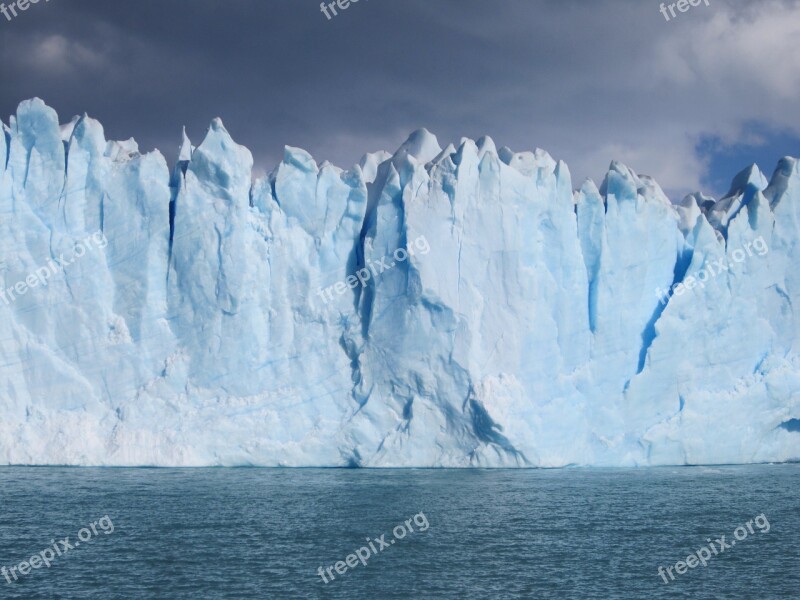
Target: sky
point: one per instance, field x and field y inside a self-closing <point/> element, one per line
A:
<point x="690" y="101"/>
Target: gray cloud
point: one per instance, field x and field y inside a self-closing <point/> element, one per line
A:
<point x="588" y="80"/>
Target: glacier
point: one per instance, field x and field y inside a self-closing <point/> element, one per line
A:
<point x="543" y="326"/>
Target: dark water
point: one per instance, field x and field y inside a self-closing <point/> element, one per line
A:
<point x="252" y="533"/>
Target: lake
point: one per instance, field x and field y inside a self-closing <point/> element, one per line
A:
<point x="281" y="533"/>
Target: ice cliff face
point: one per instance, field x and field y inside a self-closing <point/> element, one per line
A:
<point x="190" y="316"/>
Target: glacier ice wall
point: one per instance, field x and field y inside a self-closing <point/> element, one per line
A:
<point x="192" y="316"/>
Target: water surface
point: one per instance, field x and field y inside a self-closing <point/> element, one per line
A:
<point x="263" y="533"/>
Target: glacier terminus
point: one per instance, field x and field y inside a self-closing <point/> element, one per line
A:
<point x="533" y="332"/>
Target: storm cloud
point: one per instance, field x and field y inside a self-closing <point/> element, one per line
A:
<point x="589" y="81"/>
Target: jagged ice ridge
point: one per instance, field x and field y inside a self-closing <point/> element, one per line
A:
<point x="531" y="333"/>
